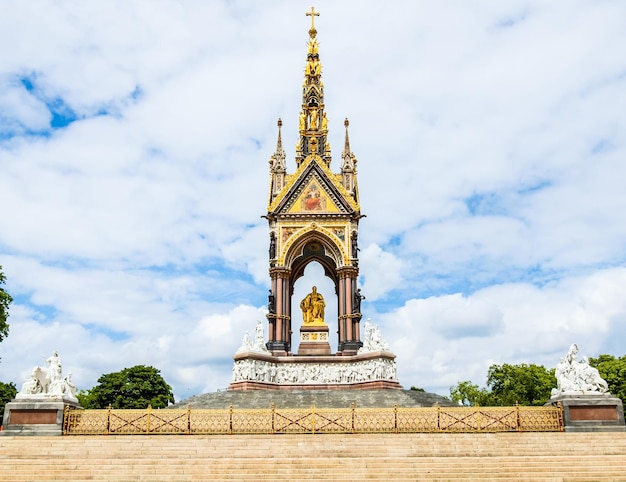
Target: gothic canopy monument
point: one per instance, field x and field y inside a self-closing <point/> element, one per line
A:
<point x="313" y="216"/>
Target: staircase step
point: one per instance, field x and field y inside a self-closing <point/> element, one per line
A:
<point x="494" y="456"/>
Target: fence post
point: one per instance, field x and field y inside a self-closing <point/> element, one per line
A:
<point x="352" y="409"/>
<point x="438" y="417"/>
<point x="109" y="419"/>
<point x="273" y="418"/>
<point x="230" y="420"/>
<point x="395" y="417"/>
<point x="313" y="419"/>
<point x="188" y="419"/>
<point x="519" y="420"/>
<point x="148" y="419"/>
<point x="66" y="414"/>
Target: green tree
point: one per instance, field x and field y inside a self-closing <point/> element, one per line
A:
<point x="468" y="394"/>
<point x="7" y="393"/>
<point x="523" y="384"/>
<point x="613" y="370"/>
<point x="135" y="387"/>
<point x="507" y="385"/>
<point x="5" y="301"/>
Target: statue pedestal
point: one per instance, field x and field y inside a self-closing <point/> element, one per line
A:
<point x="591" y="412"/>
<point x="314" y="339"/>
<point x="38" y="415"/>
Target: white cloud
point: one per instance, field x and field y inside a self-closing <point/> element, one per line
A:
<point x="381" y="271"/>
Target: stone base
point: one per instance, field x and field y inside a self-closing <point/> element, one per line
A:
<point x="591" y="413"/>
<point x="314" y="340"/>
<point x="35" y="416"/>
<point x="263" y="371"/>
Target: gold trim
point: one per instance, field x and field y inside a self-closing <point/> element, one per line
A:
<point x="313" y="420"/>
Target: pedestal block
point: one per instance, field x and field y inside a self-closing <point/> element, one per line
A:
<point x="35" y="416"/>
<point x="314" y="339"/>
<point x="591" y="413"/>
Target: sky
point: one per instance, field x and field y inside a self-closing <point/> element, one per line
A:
<point x="135" y="138"/>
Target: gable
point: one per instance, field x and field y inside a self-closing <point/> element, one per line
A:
<point x="314" y="192"/>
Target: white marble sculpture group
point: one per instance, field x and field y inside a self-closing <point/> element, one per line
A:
<point x="257" y="345"/>
<point x="372" y="341"/>
<point x="49" y="382"/>
<point x="311" y="373"/>
<point x="577" y="377"/>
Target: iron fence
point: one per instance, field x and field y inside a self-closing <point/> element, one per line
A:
<point x="312" y="420"/>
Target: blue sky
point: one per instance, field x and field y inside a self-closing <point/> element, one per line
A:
<point x="134" y="148"/>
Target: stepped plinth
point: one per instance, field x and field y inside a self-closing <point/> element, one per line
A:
<point x="591" y="412"/>
<point x="37" y="415"/>
<point x="314" y="339"/>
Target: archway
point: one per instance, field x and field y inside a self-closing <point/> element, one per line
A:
<point x="317" y="244"/>
<point x="313" y="276"/>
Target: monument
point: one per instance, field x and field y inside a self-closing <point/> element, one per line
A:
<point x="584" y="394"/>
<point x="313" y="216"/>
<point x="38" y="407"/>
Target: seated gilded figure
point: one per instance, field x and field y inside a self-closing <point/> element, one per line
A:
<point x="312" y="307"/>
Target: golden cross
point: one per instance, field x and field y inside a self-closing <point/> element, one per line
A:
<point x="312" y="14"/>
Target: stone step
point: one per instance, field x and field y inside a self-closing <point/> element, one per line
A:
<point x="318" y="398"/>
<point x="505" y="456"/>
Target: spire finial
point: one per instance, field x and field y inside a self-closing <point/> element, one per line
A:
<point x="312" y="14"/>
<point x="277" y="161"/>
<point x="279" y="144"/>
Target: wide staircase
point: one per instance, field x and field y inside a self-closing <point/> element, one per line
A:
<point x="389" y="457"/>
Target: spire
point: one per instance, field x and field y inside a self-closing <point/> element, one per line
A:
<point x="348" y="165"/>
<point x="277" y="161"/>
<point x="278" y="166"/>
<point x="346" y="146"/>
<point x="313" y="123"/>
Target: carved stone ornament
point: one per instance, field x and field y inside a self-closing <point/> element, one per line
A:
<point x="314" y="373"/>
<point x="372" y="341"/>
<point x="578" y="377"/>
<point x="257" y="345"/>
<point x="49" y="382"/>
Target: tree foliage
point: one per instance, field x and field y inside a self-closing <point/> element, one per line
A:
<point x="135" y="387"/>
<point x="507" y="385"/>
<point x="5" y="301"/>
<point x="613" y="370"/>
<point x="7" y="393"/>
<point x="523" y="384"/>
<point x="468" y="394"/>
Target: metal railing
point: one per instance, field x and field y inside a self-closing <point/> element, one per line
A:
<point x="312" y="420"/>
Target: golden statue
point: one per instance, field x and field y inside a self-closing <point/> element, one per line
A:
<point x="313" y="119"/>
<point x="312" y="307"/>
<point x="302" y="121"/>
<point x="324" y="122"/>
